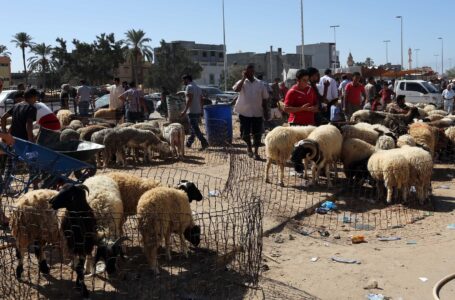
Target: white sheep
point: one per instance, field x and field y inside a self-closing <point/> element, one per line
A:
<point x="424" y="136"/>
<point x="429" y="107"/>
<point x="75" y="124"/>
<point x="35" y="223"/>
<point x="106" y="202"/>
<point x="390" y="168"/>
<point x="405" y="139"/>
<point x="279" y="144"/>
<point x="363" y="131"/>
<point x="174" y="134"/>
<point x="450" y="134"/>
<point x="64" y="116"/>
<point x="323" y="147"/>
<point x="161" y="212"/>
<point x="438" y="112"/>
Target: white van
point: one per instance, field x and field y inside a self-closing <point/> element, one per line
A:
<point x="418" y="91"/>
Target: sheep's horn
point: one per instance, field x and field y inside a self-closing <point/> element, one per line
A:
<point x="313" y="146"/>
<point x="84" y="187"/>
<point x="120" y="240"/>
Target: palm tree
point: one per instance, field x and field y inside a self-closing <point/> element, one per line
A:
<point x="137" y="50"/>
<point x="23" y="40"/>
<point x="40" y="61"/>
<point x="4" y="51"/>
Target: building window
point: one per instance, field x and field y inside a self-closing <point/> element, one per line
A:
<point x="212" y="79"/>
<point x="212" y="53"/>
<point x="204" y="54"/>
<point x="220" y="55"/>
<point x="194" y="52"/>
<point x="213" y="63"/>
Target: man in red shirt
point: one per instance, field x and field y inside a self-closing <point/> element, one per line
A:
<point x="353" y="96"/>
<point x="300" y="101"/>
<point x="386" y="95"/>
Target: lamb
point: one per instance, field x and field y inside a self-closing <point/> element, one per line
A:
<point x="126" y="124"/>
<point x="79" y="226"/>
<point x="69" y="135"/>
<point x="98" y="137"/>
<point x="434" y="117"/>
<point x="420" y="168"/>
<point x="323" y="147"/>
<point x="116" y="139"/>
<point x="424" y="136"/>
<point x="174" y="134"/>
<point x="279" y="144"/>
<point x="148" y="126"/>
<point x="161" y="212"/>
<point x="87" y="132"/>
<point x="64" y="116"/>
<point x="450" y="134"/>
<point x="33" y="222"/>
<point x="390" y="168"/>
<point x="442" y="123"/>
<point x="105" y="113"/>
<point x="75" y="125"/>
<point x="406" y="139"/>
<point x="131" y="188"/>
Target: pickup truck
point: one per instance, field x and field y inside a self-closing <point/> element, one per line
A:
<point x="418" y="91"/>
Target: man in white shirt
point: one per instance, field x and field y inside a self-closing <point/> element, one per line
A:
<point x="342" y="88"/>
<point x="332" y="90"/>
<point x="250" y="107"/>
<point x="448" y="95"/>
<point x="84" y="95"/>
<point x="115" y="103"/>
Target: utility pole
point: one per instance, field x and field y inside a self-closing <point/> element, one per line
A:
<point x="224" y="53"/>
<point x="417" y="57"/>
<point x="386" y="51"/>
<point x="401" y="19"/>
<point x="335" y="41"/>
<point x="442" y="54"/>
<point x="301" y="21"/>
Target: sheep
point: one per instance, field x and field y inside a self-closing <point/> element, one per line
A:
<point x="98" y="138"/>
<point x="437" y="112"/>
<point x="174" y="134"/>
<point x="442" y="123"/>
<point x="429" y="107"/>
<point x="87" y="132"/>
<point x="364" y="131"/>
<point x="420" y="168"/>
<point x="389" y="168"/>
<point x="126" y="124"/>
<point x="424" y="136"/>
<point x="105" y="113"/>
<point x="434" y="117"/>
<point x="75" y="125"/>
<point x="131" y="188"/>
<point x="450" y="133"/>
<point x="33" y="222"/>
<point x="422" y="113"/>
<point x="406" y="139"/>
<point x="323" y="147"/>
<point x="279" y="144"/>
<point x="78" y="225"/>
<point x="116" y="139"/>
<point x="69" y="135"/>
<point x="161" y="212"/>
<point x="64" y="116"/>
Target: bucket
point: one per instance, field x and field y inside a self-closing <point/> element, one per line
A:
<point x="218" y="124"/>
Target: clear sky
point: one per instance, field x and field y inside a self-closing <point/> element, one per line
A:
<point x="252" y="25"/>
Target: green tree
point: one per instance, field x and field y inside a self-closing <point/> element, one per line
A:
<point x="108" y="56"/>
<point x="23" y="40"/>
<point x="4" y="51"/>
<point x="450" y="73"/>
<point x="61" y="61"/>
<point x="369" y="62"/>
<point x="137" y="50"/>
<point x="40" y="62"/>
<point x="172" y="60"/>
<point x="234" y="75"/>
<point x="82" y="61"/>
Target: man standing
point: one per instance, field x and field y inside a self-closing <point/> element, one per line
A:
<point x="353" y="96"/>
<point x="448" y="95"/>
<point x="193" y="108"/>
<point x="115" y="103"/>
<point x="386" y="94"/>
<point x="135" y="103"/>
<point x="249" y="106"/>
<point x="84" y="95"/>
<point x="370" y="90"/>
<point x="398" y="106"/>
<point x="274" y="99"/>
<point x="320" y="99"/>
<point x="332" y="90"/>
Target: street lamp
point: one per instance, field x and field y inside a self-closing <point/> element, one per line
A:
<point x="301" y="21"/>
<point x="442" y="54"/>
<point x="401" y="20"/>
<point x="417" y="57"/>
<point x="224" y="53"/>
<point x="436" y="56"/>
<point x="386" y="51"/>
<point x="335" y="40"/>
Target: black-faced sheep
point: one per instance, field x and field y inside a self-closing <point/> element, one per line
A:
<point x="33" y="222"/>
<point x="78" y="225"/>
<point x="161" y="212"/>
<point x="323" y="147"/>
<point x="279" y="144"/>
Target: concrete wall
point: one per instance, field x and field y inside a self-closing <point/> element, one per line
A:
<point x="323" y="55"/>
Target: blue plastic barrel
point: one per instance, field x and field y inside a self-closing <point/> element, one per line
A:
<point x="218" y="124"/>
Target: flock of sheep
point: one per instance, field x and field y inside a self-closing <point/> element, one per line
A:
<point x="87" y="220"/>
<point x="141" y="139"/>
<point x="396" y="151"/>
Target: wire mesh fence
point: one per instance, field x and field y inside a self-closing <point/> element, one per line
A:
<point x="224" y="265"/>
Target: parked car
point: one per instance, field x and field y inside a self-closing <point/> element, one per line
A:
<point x="418" y="91"/>
<point x="6" y="100"/>
<point x="103" y="102"/>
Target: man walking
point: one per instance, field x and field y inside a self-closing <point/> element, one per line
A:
<point x="115" y="103"/>
<point x="135" y="104"/>
<point x="353" y="95"/>
<point x="250" y="107"/>
<point x="84" y="95"/>
<point x="193" y="108"/>
<point x="448" y="95"/>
